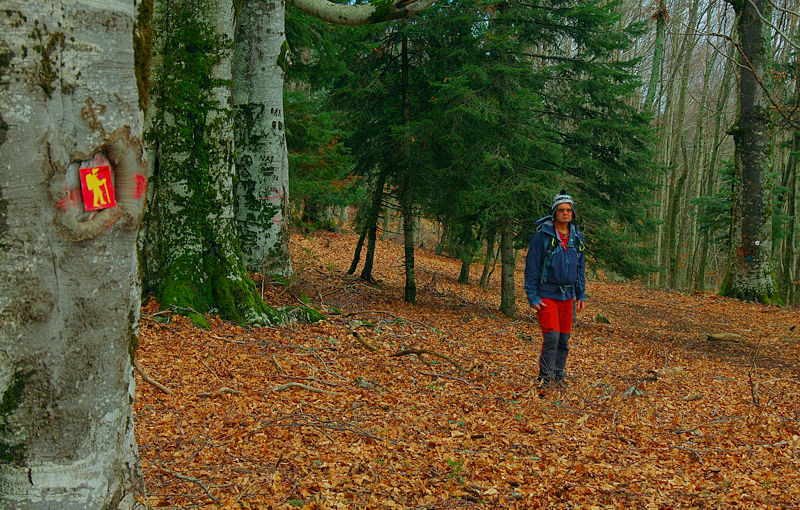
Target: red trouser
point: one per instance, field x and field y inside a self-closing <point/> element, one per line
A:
<point x="556" y="315"/>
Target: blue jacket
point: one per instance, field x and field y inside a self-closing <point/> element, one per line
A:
<point x="566" y="277"/>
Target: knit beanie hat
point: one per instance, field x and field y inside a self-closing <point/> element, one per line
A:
<point x="562" y="198"/>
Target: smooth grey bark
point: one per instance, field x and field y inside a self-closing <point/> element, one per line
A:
<point x="262" y="158"/>
<point x="360" y="14"/>
<point x="749" y="273"/>
<point x="507" y="294"/>
<point x="69" y="292"/>
<point x="191" y="248"/>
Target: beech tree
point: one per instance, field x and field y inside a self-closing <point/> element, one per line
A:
<point x="749" y="273"/>
<point x="69" y="295"/>
<point x="191" y="250"/>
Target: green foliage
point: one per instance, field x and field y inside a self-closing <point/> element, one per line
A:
<point x="321" y="164"/>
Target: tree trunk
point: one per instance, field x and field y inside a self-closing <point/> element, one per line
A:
<point x="371" y="226"/>
<point x="507" y="297"/>
<point x="674" y="225"/>
<point x="661" y="17"/>
<point x="749" y="274"/>
<point x="262" y="164"/>
<point x="406" y="199"/>
<point x="488" y="262"/>
<point x="317" y="216"/>
<point x="69" y="296"/>
<point x="408" y="238"/>
<point x="191" y="249"/>
<point x="712" y="171"/>
<point x="341" y="218"/>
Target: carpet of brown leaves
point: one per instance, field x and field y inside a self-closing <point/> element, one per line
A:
<point x="306" y="416"/>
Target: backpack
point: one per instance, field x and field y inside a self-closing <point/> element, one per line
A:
<point x="547" y="257"/>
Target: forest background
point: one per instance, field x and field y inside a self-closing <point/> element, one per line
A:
<point x="464" y="118"/>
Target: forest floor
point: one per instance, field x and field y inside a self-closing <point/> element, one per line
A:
<point x="326" y="415"/>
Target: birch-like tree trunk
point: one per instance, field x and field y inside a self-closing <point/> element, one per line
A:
<point x="749" y="273"/>
<point x="661" y="16"/>
<point x="262" y="162"/>
<point x="69" y="292"/>
<point x="191" y="248"/>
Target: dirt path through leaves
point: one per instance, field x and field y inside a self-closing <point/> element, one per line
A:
<point x="310" y="416"/>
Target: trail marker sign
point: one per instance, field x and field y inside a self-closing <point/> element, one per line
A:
<point x="97" y="188"/>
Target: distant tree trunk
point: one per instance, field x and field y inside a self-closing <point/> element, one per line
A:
<point x="406" y="195"/>
<point x="467" y="247"/>
<point x="341" y="217"/>
<point x="711" y="169"/>
<point x="262" y="164"/>
<point x="371" y="226"/>
<point x="491" y="234"/>
<point x="69" y="292"/>
<point x="317" y="215"/>
<point x="790" y="249"/>
<point x="698" y="165"/>
<point x="679" y="158"/>
<point x="661" y="15"/>
<point x="408" y="238"/>
<point x="466" y="262"/>
<point x="191" y="251"/>
<point x="507" y="297"/>
<point x="749" y="273"/>
<point x="384" y="221"/>
<point x="357" y="254"/>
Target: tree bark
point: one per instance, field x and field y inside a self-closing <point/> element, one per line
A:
<point x="262" y="164"/>
<point x="507" y="297"/>
<point x="409" y="230"/>
<point x="661" y="15"/>
<point x="360" y="14"/>
<point x="489" y="260"/>
<point x="371" y="227"/>
<point x="712" y="171"/>
<point x="406" y="195"/>
<point x="69" y="296"/>
<point x="191" y="248"/>
<point x="749" y="273"/>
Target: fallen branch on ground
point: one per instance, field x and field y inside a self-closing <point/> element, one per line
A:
<point x="420" y="352"/>
<point x="219" y="392"/>
<point x="287" y="386"/>
<point x="189" y="479"/>
<point x="368" y="346"/>
<point x="147" y="378"/>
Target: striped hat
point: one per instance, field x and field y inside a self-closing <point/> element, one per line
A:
<point x="562" y="198"/>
